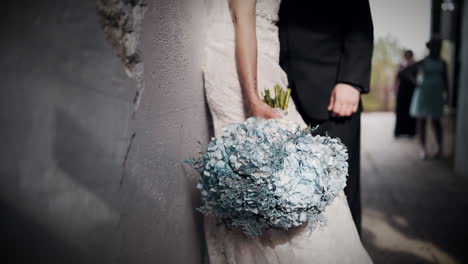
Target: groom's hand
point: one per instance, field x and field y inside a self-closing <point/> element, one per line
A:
<point x="344" y="100"/>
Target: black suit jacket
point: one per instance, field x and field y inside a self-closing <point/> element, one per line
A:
<point x="324" y="43"/>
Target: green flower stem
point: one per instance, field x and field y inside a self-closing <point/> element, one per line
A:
<point x="286" y="99"/>
<point x="281" y="99"/>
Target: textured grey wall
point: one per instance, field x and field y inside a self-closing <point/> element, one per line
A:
<point x="461" y="146"/>
<point x="83" y="177"/>
<point x="65" y="111"/>
<point x="171" y="118"/>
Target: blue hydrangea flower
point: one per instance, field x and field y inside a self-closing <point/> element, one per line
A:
<point x="269" y="174"/>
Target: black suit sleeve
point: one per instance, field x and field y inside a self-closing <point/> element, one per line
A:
<point x="355" y="61"/>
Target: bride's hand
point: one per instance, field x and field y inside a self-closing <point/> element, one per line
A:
<point x="261" y="109"/>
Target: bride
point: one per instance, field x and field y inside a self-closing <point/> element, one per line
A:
<point x="242" y="59"/>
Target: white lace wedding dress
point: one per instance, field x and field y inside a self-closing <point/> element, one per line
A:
<point x="338" y="241"/>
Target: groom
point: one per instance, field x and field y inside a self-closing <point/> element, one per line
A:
<point x="326" y="50"/>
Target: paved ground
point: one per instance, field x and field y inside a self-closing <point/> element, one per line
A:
<point x="414" y="211"/>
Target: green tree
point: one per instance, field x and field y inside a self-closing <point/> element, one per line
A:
<point x="387" y="54"/>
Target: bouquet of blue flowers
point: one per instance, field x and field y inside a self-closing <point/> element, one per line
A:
<point x="264" y="174"/>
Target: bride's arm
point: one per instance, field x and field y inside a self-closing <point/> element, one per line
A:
<point x="244" y="17"/>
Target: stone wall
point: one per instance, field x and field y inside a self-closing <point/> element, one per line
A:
<point x="86" y="176"/>
<point x="160" y="194"/>
<point x="121" y="22"/>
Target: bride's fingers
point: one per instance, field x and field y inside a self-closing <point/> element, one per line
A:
<point x="272" y="115"/>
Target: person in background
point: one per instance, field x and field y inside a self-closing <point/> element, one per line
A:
<point x="405" y="82"/>
<point x="428" y="98"/>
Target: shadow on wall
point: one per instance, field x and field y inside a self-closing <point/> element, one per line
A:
<point x="69" y="212"/>
<point x="25" y="241"/>
<point x="143" y="207"/>
<point x="84" y="224"/>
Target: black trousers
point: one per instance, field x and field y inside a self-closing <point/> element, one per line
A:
<point x="349" y="131"/>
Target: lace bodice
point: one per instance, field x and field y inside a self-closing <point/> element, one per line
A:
<point x="220" y="30"/>
<point x="268" y="9"/>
